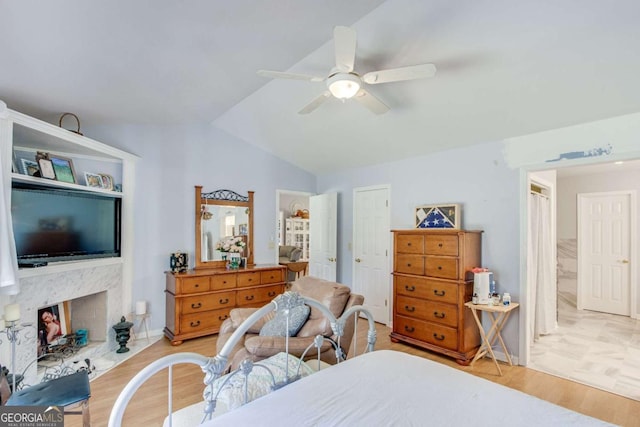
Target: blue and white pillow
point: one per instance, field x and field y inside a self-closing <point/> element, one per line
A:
<point x="277" y="326"/>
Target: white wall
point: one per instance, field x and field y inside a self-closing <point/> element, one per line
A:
<point x="477" y="177"/>
<point x="570" y="186"/>
<point x="175" y="159"/>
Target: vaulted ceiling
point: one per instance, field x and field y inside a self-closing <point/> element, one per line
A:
<point x="505" y="68"/>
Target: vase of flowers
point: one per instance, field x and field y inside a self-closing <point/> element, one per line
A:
<point x="230" y="244"/>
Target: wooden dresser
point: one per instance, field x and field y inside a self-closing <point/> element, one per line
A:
<point x="200" y="300"/>
<point x="432" y="281"/>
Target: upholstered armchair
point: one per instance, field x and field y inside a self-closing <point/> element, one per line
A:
<point x="289" y="254"/>
<point x="336" y="297"/>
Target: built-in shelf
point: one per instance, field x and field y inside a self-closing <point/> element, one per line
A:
<point x="16" y="177"/>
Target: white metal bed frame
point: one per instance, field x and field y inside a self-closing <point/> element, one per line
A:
<point x="215" y="367"/>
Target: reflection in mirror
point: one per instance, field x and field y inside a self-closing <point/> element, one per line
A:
<point x="224" y="228"/>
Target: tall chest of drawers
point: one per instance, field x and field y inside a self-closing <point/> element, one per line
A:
<point x="197" y="302"/>
<point x="432" y="281"/>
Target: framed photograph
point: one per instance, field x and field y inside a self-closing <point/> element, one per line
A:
<point x="93" y="180"/>
<point x="29" y="167"/>
<point x="107" y="181"/>
<point x="446" y="215"/>
<point x="242" y="229"/>
<point x="53" y="324"/>
<point x="63" y="167"/>
<point x="46" y="169"/>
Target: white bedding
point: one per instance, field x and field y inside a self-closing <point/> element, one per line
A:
<point x="386" y="388"/>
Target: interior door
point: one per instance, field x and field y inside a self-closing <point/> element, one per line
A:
<point x="323" y="234"/>
<point x="604" y="252"/>
<point x="371" y="241"/>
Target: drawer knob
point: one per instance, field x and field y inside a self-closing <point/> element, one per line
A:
<point x="438" y="315"/>
<point x="409" y="244"/>
<point x="439" y="245"/>
<point x="410" y="288"/>
<point x="225" y="317"/>
<point x="439" y="267"/>
<point x="224" y="301"/>
<point x="196" y="323"/>
<point x="438" y="337"/>
<point x="272" y="293"/>
<point x="409" y="309"/>
<point x="409" y="328"/>
<point x="198" y="305"/>
<point x="408" y="264"/>
<point x="438" y="293"/>
<point x="197" y="285"/>
<point x="249" y="297"/>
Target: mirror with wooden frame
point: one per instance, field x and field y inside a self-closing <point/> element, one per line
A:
<point x="224" y="227"/>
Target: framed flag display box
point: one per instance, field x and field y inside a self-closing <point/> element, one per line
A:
<point x="438" y="216"/>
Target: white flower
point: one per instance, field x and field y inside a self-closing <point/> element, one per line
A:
<point x="231" y="244"/>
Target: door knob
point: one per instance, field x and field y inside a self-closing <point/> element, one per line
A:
<point x="625" y="261"/>
<point x="358" y="260"/>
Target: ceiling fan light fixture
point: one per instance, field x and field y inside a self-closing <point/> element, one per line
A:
<point x="343" y="85"/>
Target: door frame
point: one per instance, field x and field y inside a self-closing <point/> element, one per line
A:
<point x="389" y="265"/>
<point x="523" y="325"/>
<point x="633" y="221"/>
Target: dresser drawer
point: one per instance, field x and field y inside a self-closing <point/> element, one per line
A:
<point x="441" y="245"/>
<point x="223" y="281"/>
<point x="248" y="279"/>
<point x="196" y="322"/>
<point x="190" y="285"/>
<point x="410" y="244"/>
<point x="410" y="264"/>
<point x="200" y="303"/>
<point x="422" y="287"/>
<point x="270" y="276"/>
<point x="445" y="314"/>
<point x="445" y="267"/>
<point x="439" y="335"/>
<point x="258" y="296"/>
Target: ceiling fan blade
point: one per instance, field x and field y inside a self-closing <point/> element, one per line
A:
<point x="345" y="45"/>
<point x="398" y="74"/>
<point x="371" y="102"/>
<point x="293" y="76"/>
<point x="315" y="103"/>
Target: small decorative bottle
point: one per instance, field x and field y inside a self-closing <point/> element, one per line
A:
<point x="506" y="299"/>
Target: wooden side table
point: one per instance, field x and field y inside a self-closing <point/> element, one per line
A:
<point x="297" y="267"/>
<point x="498" y="315"/>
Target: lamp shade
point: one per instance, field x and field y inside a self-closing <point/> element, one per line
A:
<point x="343" y="85"/>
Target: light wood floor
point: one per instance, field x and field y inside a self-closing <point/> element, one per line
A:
<point x="148" y="408"/>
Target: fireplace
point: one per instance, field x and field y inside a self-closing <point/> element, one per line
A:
<point x="93" y="297"/>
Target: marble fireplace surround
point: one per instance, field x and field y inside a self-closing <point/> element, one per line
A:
<point x="41" y="290"/>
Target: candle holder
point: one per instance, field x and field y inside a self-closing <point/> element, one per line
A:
<point x="12" y="331"/>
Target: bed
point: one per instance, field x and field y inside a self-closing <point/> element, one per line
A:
<point x="374" y="388"/>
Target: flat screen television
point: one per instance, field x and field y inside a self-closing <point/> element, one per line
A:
<point x="51" y="224"/>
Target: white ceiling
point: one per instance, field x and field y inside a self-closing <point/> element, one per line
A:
<point x="505" y="68"/>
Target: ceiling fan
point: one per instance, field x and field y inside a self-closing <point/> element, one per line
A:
<point x="344" y="83"/>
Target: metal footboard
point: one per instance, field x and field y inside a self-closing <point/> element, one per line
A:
<point x="214" y="367"/>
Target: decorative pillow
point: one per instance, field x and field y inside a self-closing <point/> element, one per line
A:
<point x="276" y="327"/>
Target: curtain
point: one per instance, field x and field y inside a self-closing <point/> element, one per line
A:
<point x="8" y="258"/>
<point x="542" y="289"/>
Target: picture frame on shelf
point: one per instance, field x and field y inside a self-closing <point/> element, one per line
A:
<point x="107" y="181"/>
<point x="93" y="180"/>
<point x="445" y="215"/>
<point x="29" y="167"/>
<point x="63" y="167"/>
<point x="46" y="168"/>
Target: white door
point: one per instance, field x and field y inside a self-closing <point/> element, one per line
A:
<point x="371" y="240"/>
<point x="323" y="233"/>
<point x="604" y="252"/>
